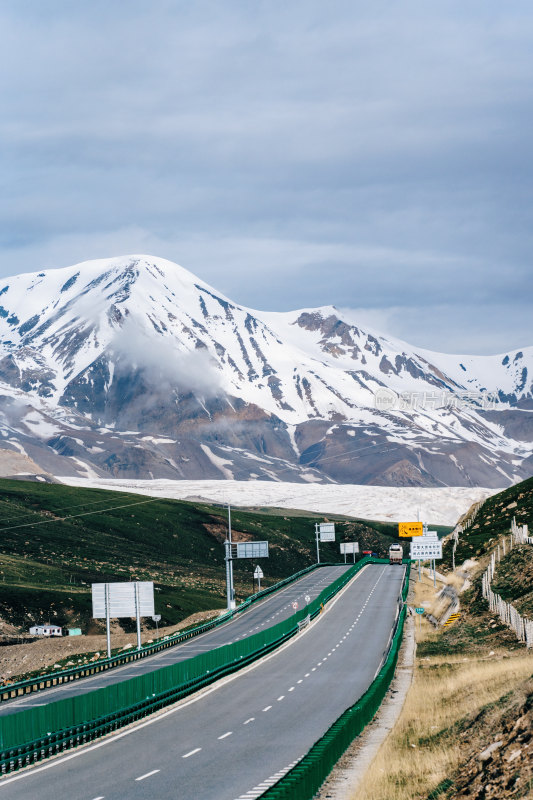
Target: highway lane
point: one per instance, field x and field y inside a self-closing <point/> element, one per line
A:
<point x="239" y="736"/>
<point x="260" y="616"/>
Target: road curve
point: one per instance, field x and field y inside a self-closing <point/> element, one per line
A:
<point x="260" y="616"/>
<point x="239" y="736"/>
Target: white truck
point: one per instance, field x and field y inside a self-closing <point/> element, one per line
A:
<point x="395" y="554"/>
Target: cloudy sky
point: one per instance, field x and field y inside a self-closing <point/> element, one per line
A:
<point x="375" y="155"/>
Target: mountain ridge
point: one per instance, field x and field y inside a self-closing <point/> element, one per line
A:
<point x="130" y="350"/>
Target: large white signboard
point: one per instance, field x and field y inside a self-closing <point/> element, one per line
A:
<point x="349" y="547"/>
<point x="327" y="531"/>
<point x="252" y="549"/>
<point x="124" y="599"/>
<point x="425" y="547"/>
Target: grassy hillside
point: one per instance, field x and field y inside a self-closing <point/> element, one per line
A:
<point x="494" y="519"/>
<point x="57" y="540"/>
<point x="514" y="574"/>
<point x="514" y="579"/>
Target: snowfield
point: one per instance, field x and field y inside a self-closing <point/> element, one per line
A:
<point x="441" y="506"/>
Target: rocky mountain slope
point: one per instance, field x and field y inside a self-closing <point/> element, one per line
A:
<point x="133" y="367"/>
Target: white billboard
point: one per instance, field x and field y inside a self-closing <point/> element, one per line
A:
<point x="424" y="548"/>
<point x="126" y="599"/>
<point x="327" y="531"/>
<point x="349" y="547"/>
<point x="252" y="549"/>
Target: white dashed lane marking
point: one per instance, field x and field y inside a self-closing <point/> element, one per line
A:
<point x="147" y="775"/>
<point x="260" y="788"/>
<point x="192" y="752"/>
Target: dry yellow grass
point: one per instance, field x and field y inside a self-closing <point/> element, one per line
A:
<point x="455" y="580"/>
<point x="421" y="750"/>
<point x="425" y="596"/>
<point x="419" y="753"/>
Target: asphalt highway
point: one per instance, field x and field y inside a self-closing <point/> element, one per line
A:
<point x="260" y="616"/>
<point x="239" y="736"/>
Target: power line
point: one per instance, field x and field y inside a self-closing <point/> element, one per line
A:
<point x="62" y="508"/>
<point x="84" y="514"/>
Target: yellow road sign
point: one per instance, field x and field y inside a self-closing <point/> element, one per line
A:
<point x="410" y="529"/>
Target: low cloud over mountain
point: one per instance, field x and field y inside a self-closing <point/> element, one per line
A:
<point x="133" y="367"/>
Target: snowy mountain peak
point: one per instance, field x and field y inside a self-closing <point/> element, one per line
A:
<point x="137" y="343"/>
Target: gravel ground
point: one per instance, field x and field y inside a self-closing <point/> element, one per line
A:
<point x="19" y="659"/>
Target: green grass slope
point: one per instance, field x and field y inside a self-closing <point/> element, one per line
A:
<point x="514" y="579"/>
<point x="494" y="519"/>
<point x="57" y="540"/>
<point x="480" y="631"/>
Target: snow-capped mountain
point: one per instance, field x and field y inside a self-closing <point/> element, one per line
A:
<point x="133" y="367"/>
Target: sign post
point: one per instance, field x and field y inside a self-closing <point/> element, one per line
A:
<point x="107" y="621"/>
<point x="349" y="547"/>
<point x="138" y="615"/>
<point x="240" y="550"/>
<point x="157" y="619"/>
<point x="420" y="612"/>
<point x="258" y="574"/>
<point x="426" y="548"/>
<point x="325" y="531"/>
<point x="230" y="591"/>
<point x="408" y="529"/>
<point x="127" y="599"/>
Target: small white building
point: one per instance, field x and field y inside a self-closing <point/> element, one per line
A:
<point x="46" y="630"/>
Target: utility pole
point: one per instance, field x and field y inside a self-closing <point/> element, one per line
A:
<point x="107" y="620"/>
<point x="230" y="592"/>
<point x="138" y="615"/>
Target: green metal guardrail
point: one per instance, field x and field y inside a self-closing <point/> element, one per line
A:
<point x="20" y="688"/>
<point x="304" y="780"/>
<point x="30" y="735"/>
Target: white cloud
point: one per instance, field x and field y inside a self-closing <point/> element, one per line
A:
<point x="163" y="364"/>
<point x="366" y="154"/>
